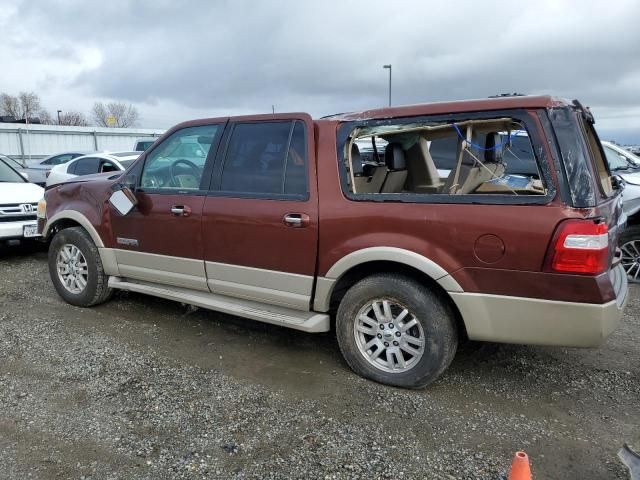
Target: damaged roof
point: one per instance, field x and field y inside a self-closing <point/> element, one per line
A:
<point x="441" y="108"/>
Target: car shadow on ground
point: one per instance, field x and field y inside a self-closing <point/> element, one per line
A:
<point x="25" y="249"/>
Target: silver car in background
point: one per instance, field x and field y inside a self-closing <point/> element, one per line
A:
<point x="627" y="165"/>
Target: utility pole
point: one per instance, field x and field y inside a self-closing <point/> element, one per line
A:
<point x="59" y="112"/>
<point x="389" y="67"/>
<point x="273" y="109"/>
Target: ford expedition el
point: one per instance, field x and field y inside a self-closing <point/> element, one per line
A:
<point x="406" y="229"/>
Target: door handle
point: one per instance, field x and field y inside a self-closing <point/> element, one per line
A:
<point x="296" y="220"/>
<point x="181" y="210"/>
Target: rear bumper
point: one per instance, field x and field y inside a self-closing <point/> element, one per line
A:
<point x="498" y="318"/>
<point x="11" y="230"/>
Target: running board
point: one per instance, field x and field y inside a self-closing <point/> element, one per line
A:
<point x="311" y="322"/>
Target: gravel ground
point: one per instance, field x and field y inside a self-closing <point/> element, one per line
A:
<point x="145" y="388"/>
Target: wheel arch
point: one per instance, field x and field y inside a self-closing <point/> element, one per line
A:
<point x="71" y="218"/>
<point x="363" y="263"/>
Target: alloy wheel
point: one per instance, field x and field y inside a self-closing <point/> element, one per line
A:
<point x="631" y="259"/>
<point x="389" y="336"/>
<point x="72" y="267"/>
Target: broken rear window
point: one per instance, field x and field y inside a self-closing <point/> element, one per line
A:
<point x="487" y="157"/>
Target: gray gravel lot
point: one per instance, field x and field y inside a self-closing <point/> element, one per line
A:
<point x="145" y="388"/>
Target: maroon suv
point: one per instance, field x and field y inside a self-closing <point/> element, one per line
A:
<point x="413" y="227"/>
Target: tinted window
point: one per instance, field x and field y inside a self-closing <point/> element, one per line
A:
<point x="266" y="158"/>
<point x="86" y="166"/>
<point x="295" y="178"/>
<point x="142" y="146"/>
<point x="178" y="162"/>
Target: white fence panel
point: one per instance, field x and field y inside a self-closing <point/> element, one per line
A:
<point x="25" y="142"/>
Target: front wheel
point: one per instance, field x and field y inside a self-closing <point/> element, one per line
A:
<point x="393" y="330"/>
<point x="76" y="269"/>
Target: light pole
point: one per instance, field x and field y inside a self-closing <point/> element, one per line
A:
<point x="59" y="112"/>
<point x="389" y="67"/>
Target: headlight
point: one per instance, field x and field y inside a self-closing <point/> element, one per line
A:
<point x="42" y="208"/>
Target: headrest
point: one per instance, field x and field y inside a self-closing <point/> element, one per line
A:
<point x="494" y="148"/>
<point x="394" y="157"/>
<point x="356" y="160"/>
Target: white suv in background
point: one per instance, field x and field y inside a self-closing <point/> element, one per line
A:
<point x="18" y="204"/>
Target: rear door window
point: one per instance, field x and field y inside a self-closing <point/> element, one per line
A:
<point x="266" y="158"/>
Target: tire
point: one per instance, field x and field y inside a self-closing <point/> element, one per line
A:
<point x="435" y="325"/>
<point x="92" y="288"/>
<point x="630" y="245"/>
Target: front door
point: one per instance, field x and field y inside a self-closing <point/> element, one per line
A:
<point x="160" y="241"/>
<point x="260" y="221"/>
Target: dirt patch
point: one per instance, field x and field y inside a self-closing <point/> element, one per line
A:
<point x="145" y="388"/>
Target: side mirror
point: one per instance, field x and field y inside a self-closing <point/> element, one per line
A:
<point x="130" y="181"/>
<point x="25" y="175"/>
<point x="122" y="199"/>
<point x="617" y="182"/>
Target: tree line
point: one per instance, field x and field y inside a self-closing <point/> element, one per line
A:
<point x="26" y="106"/>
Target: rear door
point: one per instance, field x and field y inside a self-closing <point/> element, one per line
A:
<point x="260" y="219"/>
<point x="160" y="241"/>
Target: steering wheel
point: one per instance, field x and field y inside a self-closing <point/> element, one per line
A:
<point x="192" y="166"/>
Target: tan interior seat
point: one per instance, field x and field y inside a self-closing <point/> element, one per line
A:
<point x="472" y="174"/>
<point x="366" y="183"/>
<point x="396" y="177"/>
<point x="423" y="174"/>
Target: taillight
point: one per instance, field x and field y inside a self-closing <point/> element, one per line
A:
<point x="581" y="246"/>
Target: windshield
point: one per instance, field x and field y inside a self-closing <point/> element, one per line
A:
<point x="616" y="160"/>
<point x="634" y="159"/>
<point x="13" y="163"/>
<point x="7" y="174"/>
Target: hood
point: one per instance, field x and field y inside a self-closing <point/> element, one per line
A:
<point x="632" y="178"/>
<point x="88" y="178"/>
<point x="20" y="193"/>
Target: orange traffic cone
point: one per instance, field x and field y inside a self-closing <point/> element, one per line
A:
<point x="520" y="469"/>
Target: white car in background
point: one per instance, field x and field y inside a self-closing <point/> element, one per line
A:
<point x="18" y="204"/>
<point x="90" y="165"/>
<point x="627" y="165"/>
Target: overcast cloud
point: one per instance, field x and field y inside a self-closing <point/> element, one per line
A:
<point x="180" y="60"/>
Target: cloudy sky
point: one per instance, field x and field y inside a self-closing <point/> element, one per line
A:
<point x="179" y="60"/>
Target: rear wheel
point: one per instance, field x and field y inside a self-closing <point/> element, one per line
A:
<point x="630" y="246"/>
<point x="76" y="269"/>
<point x="393" y="330"/>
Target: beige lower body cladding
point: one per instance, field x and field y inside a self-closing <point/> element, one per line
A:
<point x="497" y="318"/>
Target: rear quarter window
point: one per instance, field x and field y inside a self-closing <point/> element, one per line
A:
<point x="477" y="158"/>
<point x="575" y="157"/>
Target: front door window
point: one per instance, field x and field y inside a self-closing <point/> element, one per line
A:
<point x="177" y="164"/>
